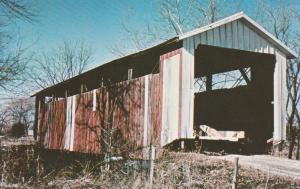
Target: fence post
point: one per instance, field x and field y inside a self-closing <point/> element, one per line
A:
<point x="3" y="175"/>
<point x="152" y="158"/>
<point x="38" y="168"/>
<point x="235" y="173"/>
<point x="27" y="159"/>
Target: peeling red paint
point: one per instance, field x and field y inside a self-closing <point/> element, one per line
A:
<point x="119" y="109"/>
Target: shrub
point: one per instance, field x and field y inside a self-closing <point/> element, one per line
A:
<point x="17" y="130"/>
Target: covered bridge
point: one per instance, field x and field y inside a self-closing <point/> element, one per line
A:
<point x="224" y="81"/>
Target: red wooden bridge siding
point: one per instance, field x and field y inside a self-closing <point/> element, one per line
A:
<point x="119" y="108"/>
<point x="84" y="123"/>
<point x="156" y="109"/>
<point x="56" y="137"/>
<point x="43" y="122"/>
<point x="52" y="124"/>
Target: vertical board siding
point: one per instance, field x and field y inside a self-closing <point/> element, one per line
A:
<point x="51" y="121"/>
<point x="236" y="35"/>
<point x="60" y="123"/>
<point x="43" y="123"/>
<point x="280" y="95"/>
<point x="146" y="119"/>
<point x="187" y="89"/>
<point x="156" y="106"/>
<point x="82" y="122"/>
<point x="216" y="37"/>
<point x="229" y="39"/>
<point x="177" y="93"/>
<point x="203" y="39"/>
<point x="240" y="35"/>
<point x="246" y="38"/>
<point x="171" y="90"/>
<point x="81" y="119"/>
<point x="68" y="124"/>
<point x="223" y="36"/>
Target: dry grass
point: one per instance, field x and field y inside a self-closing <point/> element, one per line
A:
<point x="174" y="170"/>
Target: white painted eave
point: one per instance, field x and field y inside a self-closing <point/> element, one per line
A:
<point x="290" y="54"/>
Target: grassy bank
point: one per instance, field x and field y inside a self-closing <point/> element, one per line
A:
<point x="32" y="167"/>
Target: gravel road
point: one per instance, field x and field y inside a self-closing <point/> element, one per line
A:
<point x="266" y="163"/>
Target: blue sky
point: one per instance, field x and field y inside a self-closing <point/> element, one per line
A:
<point x="96" y="22"/>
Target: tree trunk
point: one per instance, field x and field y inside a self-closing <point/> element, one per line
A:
<point x="298" y="147"/>
<point x="291" y="144"/>
<point x="291" y="132"/>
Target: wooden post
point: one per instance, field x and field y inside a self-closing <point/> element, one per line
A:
<point x="182" y="145"/>
<point x="129" y="74"/>
<point x="209" y="82"/>
<point x="107" y="161"/>
<point x="244" y="75"/>
<point x="152" y="158"/>
<point x="81" y="88"/>
<point x="27" y="159"/>
<point x="235" y="173"/>
<point x="38" y="166"/>
<point x="149" y="114"/>
<point x="102" y="82"/>
<point x="36" y="117"/>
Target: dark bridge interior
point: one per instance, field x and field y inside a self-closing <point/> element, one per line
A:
<point x="234" y="91"/>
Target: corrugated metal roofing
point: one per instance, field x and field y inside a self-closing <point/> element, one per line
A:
<point x="165" y="43"/>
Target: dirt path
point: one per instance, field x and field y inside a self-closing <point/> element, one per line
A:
<point x="273" y="165"/>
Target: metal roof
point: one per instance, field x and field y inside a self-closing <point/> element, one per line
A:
<point x="65" y="82"/>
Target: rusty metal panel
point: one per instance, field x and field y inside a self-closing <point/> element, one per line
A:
<point x="126" y="101"/>
<point x="52" y="124"/>
<point x="119" y="110"/>
<point x="156" y="109"/>
<point x="83" y="123"/>
<point x="43" y="123"/>
<point x="57" y="125"/>
<point x="115" y="122"/>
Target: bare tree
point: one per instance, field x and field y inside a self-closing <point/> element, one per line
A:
<point x="281" y="19"/>
<point x="175" y="17"/>
<point x="12" y="68"/>
<point x="108" y="129"/>
<point x="16" y="9"/>
<point x="278" y="18"/>
<point x="182" y="16"/>
<point x="21" y="111"/>
<point x="12" y="62"/>
<point x="4" y="119"/>
<point x="68" y="60"/>
<point x="293" y="86"/>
